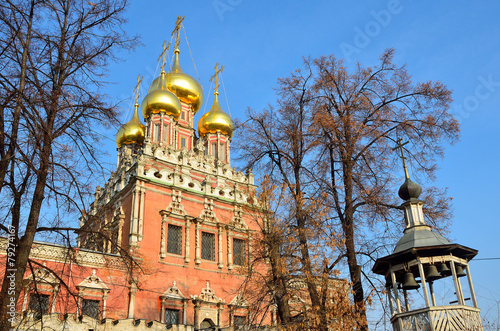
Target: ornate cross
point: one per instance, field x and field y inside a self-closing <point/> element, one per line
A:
<point x="136" y="89"/>
<point x="177" y="30"/>
<point x="403" y="158"/>
<point x="162" y="55"/>
<point x="216" y="77"/>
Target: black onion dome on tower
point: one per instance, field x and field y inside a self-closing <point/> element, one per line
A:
<point x="409" y="190"/>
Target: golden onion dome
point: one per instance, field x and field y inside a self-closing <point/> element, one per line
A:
<point x="216" y="120"/>
<point x="185" y="87"/>
<point x="132" y="132"/>
<point x="160" y="99"/>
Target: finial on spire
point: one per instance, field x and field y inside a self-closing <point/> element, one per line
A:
<point x="136" y="89"/>
<point x="403" y="158"/>
<point x="162" y="56"/>
<point x="216" y="77"/>
<point x="177" y="30"/>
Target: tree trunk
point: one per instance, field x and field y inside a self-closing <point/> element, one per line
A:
<point x="348" y="229"/>
<point x="279" y="279"/>
<point x="26" y="242"/>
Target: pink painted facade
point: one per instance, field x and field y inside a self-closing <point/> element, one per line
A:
<point x="175" y="236"/>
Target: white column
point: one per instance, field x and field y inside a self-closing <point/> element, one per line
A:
<point x="395" y="290"/>
<point x="160" y="135"/>
<point x="162" y="310"/>
<point x="424" y="284"/>
<point x="121" y="219"/>
<point x="458" y="289"/>
<point x="184" y="311"/>
<point x="54" y="296"/>
<point x="134" y="216"/>
<point x="187" y="249"/>
<point x="471" y="287"/>
<point x="141" y="213"/>
<point x="163" y="234"/>
<point x="433" y="297"/>
<point x="250" y="248"/>
<point x="407" y="304"/>
<point x="131" y="303"/>
<point x="79" y="303"/>
<point x="25" y="300"/>
<point x="229" y="249"/>
<point x="391" y="302"/>
<point x="220" y="264"/>
<point x="197" y="258"/>
<point x="104" y="299"/>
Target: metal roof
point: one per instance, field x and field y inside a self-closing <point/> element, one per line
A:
<point x="419" y="236"/>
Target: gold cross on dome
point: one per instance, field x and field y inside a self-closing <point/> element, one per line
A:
<point x="400" y="145"/>
<point x="136" y="89"/>
<point x="177" y="30"/>
<point x="216" y="77"/>
<point x="165" y="48"/>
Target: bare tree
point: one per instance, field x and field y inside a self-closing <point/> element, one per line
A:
<point x="275" y="280"/>
<point x="330" y="140"/>
<point x="54" y="56"/>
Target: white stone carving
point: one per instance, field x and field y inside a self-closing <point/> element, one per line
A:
<point x="173" y="293"/>
<point x="238" y="221"/>
<point x="207" y="295"/>
<point x="176" y="206"/>
<point x="93" y="282"/>
<point x="208" y="214"/>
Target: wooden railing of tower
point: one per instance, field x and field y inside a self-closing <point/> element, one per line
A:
<point x="440" y="318"/>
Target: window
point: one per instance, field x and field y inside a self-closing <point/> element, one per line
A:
<point x="214" y="149"/>
<point x="183" y="115"/>
<point x="39" y="305"/>
<point x="222" y="152"/>
<point x="238" y="251"/>
<point x="91" y="308"/>
<point x="165" y="133"/>
<point x="206" y="149"/>
<point x="157" y="133"/>
<point x="174" y="239"/>
<point x="114" y="243"/>
<point x="208" y="246"/>
<point x="172" y="316"/>
<point x="183" y="142"/>
<point x="239" y="320"/>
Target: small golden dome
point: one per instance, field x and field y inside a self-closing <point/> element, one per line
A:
<point x="132" y="132"/>
<point x="185" y="87"/>
<point x="159" y="99"/>
<point x="216" y="120"/>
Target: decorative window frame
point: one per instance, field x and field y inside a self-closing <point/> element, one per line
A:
<point x="239" y="306"/>
<point x="207" y="305"/>
<point x="92" y="288"/>
<point x="173" y="298"/>
<point x="42" y="281"/>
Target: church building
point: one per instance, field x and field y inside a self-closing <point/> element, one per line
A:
<point x="167" y="242"/>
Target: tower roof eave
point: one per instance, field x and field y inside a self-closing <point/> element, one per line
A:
<point x="383" y="264"/>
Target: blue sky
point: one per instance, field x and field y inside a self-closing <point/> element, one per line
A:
<point x="455" y="42"/>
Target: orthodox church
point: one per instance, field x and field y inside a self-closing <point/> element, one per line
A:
<point x="167" y="242"/>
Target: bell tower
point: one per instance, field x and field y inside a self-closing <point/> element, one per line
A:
<point x="421" y="258"/>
